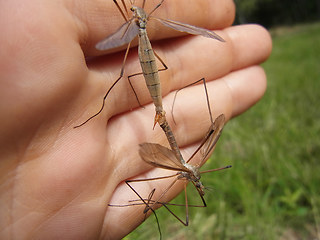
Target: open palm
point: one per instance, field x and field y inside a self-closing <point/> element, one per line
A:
<point x="57" y="181"/>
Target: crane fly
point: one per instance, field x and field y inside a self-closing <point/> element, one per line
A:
<point x="162" y="157"/>
<point x="136" y="26"/>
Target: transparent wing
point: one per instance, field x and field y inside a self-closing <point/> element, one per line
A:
<point x="183" y="27"/>
<point x="210" y="139"/>
<point x="122" y="36"/>
<point x="160" y="156"/>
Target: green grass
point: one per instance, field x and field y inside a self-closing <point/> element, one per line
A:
<point x="273" y="189"/>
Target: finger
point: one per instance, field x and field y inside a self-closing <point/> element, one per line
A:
<point x="252" y="44"/>
<point x="248" y="90"/>
<point x="231" y="95"/>
<point x="245" y="45"/>
<point x="102" y="18"/>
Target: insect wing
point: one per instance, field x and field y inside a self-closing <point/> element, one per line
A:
<point x="122" y="36"/>
<point x="160" y="156"/>
<point x="217" y="127"/>
<point x="183" y="27"/>
<point x="210" y="139"/>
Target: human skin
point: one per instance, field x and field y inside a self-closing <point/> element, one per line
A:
<point x="56" y="181"/>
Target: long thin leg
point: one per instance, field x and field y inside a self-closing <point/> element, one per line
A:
<point x="152" y="179"/>
<point x="217" y="169"/>
<point x="106" y="95"/>
<point x="164" y="204"/>
<point x="134" y="91"/>
<point x="154" y="8"/>
<point x="165" y="191"/>
<point x="202" y="199"/>
<point x="148" y="200"/>
<point x="187" y="205"/>
<point x="186" y="223"/>
<point x="137" y="202"/>
<point x="162" y="62"/>
<point x="147" y="205"/>
<point x="151" y="201"/>
<point x="207" y="97"/>
<point x="120" y="10"/>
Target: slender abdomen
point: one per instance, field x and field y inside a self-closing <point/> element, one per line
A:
<point x="150" y="69"/>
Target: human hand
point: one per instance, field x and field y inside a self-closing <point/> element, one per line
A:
<point x="57" y="181"/>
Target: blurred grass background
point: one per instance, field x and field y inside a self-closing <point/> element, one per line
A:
<point x="273" y="189"/>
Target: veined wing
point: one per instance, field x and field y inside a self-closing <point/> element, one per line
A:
<point x="217" y="127"/>
<point x="122" y="36"/>
<point x="183" y="27"/>
<point x="210" y="139"/>
<point x="160" y="156"/>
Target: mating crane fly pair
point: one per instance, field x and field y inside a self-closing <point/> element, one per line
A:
<point x="151" y="153"/>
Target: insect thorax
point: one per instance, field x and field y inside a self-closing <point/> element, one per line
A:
<point x="140" y="15"/>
